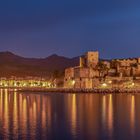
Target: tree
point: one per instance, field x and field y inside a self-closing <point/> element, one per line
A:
<point x="103" y="69"/>
<point x="57" y="74"/>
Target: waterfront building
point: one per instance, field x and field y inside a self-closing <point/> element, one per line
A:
<point x="93" y="72"/>
<point x="26" y="82"/>
<point x="85" y="75"/>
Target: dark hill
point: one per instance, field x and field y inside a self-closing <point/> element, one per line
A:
<point x="14" y="65"/>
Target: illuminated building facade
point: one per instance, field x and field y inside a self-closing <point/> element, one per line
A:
<point x="26" y="82"/>
<point x="85" y="75"/>
<point x="93" y="72"/>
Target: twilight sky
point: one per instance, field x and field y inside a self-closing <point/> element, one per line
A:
<point x="38" y="28"/>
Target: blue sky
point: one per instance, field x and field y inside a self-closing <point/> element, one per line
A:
<point x="38" y="28"/>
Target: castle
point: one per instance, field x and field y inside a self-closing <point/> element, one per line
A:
<point x="93" y="72"/>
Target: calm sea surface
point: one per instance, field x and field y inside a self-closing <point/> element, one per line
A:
<point x="69" y="116"/>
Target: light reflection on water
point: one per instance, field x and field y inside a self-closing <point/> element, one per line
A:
<point x="69" y="116"/>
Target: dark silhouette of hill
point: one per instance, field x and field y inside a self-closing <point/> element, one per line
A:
<point x="14" y="65"/>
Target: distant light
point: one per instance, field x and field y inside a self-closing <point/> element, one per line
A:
<point x="104" y="85"/>
<point x="133" y="84"/>
<point x="15" y="84"/>
<point x="49" y="84"/>
<point x="5" y="85"/>
<point x="110" y="82"/>
<point x="73" y="82"/>
<point x="24" y="84"/>
<point x="44" y="84"/>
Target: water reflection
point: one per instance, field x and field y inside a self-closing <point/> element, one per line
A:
<point x="73" y="115"/>
<point x="110" y="115"/>
<point x="69" y="116"/>
<point x="6" y="112"/>
<point x="132" y="115"/>
<point x="15" y="116"/>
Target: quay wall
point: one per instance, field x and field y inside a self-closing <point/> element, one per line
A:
<point x="72" y="90"/>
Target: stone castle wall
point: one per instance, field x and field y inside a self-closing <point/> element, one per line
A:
<point x="88" y="74"/>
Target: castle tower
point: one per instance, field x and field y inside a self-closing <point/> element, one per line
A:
<point x="92" y="58"/>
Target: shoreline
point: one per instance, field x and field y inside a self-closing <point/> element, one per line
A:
<point x="64" y="90"/>
<point x="73" y="90"/>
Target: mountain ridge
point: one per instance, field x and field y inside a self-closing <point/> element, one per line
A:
<point x="15" y="65"/>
